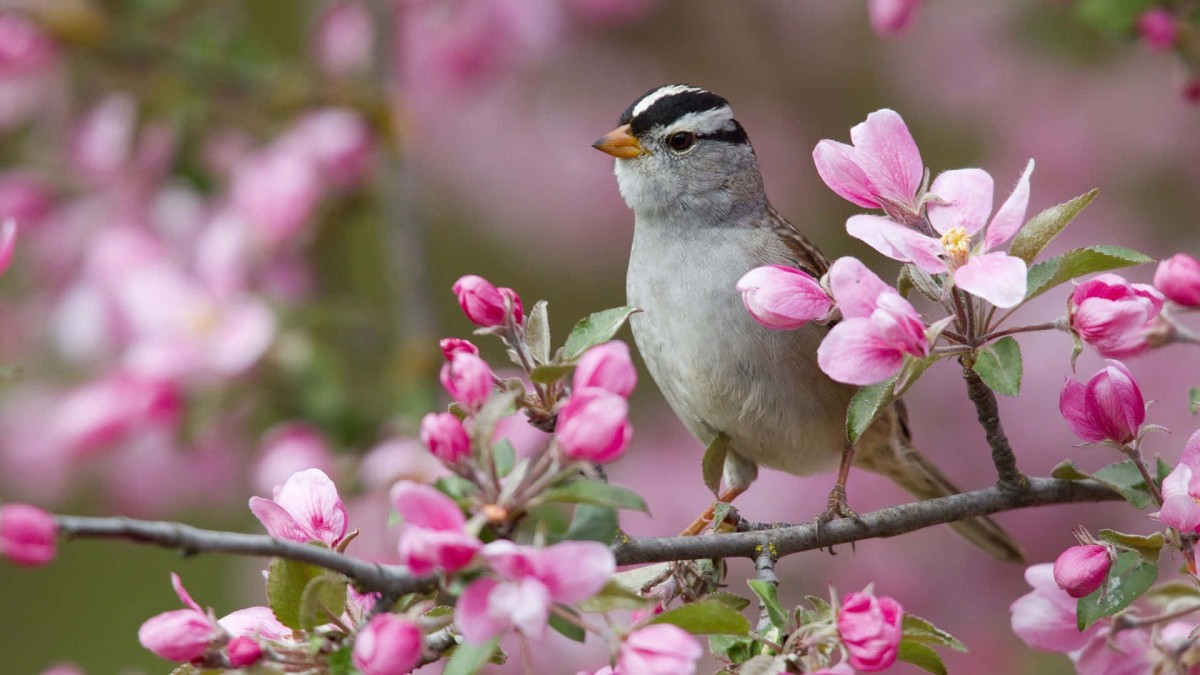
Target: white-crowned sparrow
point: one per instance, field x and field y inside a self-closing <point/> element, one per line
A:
<point x="701" y="220"/>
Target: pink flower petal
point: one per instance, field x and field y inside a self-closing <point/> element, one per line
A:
<point x="997" y="277"/>
<point x="1072" y="404"/>
<point x="969" y="193"/>
<point x="856" y="289"/>
<point x="852" y="354"/>
<point x="891" y="17"/>
<point x="313" y="501"/>
<point x="888" y="155"/>
<point x="838" y="167"/>
<point x="576" y="570"/>
<point x="1178" y="482"/>
<point x="780" y="297"/>
<point x="255" y="621"/>
<point x="1011" y="215"/>
<point x="277" y="521"/>
<point x="184" y="596"/>
<point x="472" y="615"/>
<point x="898" y="242"/>
<point x="1180" y="512"/>
<point x="425" y="506"/>
<point x="8" y="242"/>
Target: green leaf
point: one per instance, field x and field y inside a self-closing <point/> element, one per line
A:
<point x="587" y="491"/>
<point x="912" y="276"/>
<point x="457" y="488"/>
<point x="999" y="366"/>
<point x="1125" y="478"/>
<point x="923" y="631"/>
<point x="768" y="595"/>
<point x="499" y="405"/>
<point x="867" y="404"/>
<point x="1129" y="577"/>
<point x="705" y="617"/>
<point x="1194" y="400"/>
<point x="1162" y="470"/>
<point x="736" y="648"/>
<point x="1066" y="470"/>
<point x="614" y="595"/>
<point x="537" y="332"/>
<point x="1115" y="17"/>
<point x="567" y="629"/>
<point x="1045" y="226"/>
<point x="593" y="522"/>
<point x="324" y="597"/>
<point x="286" y="581"/>
<point x="713" y="464"/>
<point x="1078" y="262"/>
<point x="726" y="598"/>
<point x="340" y="661"/>
<point x="595" y="329"/>
<point x="639" y="578"/>
<point x="551" y="372"/>
<point x="505" y="456"/>
<point x="921" y="656"/>
<point x="1146" y="546"/>
<point x="467" y="659"/>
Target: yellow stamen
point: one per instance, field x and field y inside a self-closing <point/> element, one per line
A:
<point x="958" y="245"/>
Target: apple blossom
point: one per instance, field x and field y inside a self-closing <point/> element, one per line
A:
<point x="183" y="634"/>
<point x="468" y="379"/>
<point x="593" y="425"/>
<point x="344" y="39"/>
<point x="659" y="649"/>
<point x="24" y="197"/>
<point x="1178" y="278"/>
<point x="607" y="366"/>
<point x="93" y="416"/>
<point x="870" y="629"/>
<point x="1045" y="617"/>
<point x="485" y="304"/>
<point x="276" y="191"/>
<point x="288" y="448"/>
<point x="243" y="651"/>
<point x="1181" y="490"/>
<point x="891" y="17"/>
<point x="433" y="537"/>
<point x="1108" y="408"/>
<point x="256" y="622"/>
<point x="1080" y="570"/>
<point x="1158" y="29"/>
<point x="783" y="297"/>
<point x="445" y="436"/>
<point x="960" y="212"/>
<point x="1113" y="315"/>
<point x="882" y="169"/>
<point x="387" y="645"/>
<point x="451" y="346"/>
<point x="879" y="328"/>
<point x="337" y="141"/>
<point x="1110" y="652"/>
<point x="305" y="508"/>
<point x="27" y="534"/>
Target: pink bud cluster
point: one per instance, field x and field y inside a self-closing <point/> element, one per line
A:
<point x="1113" y="315"/>
<point x="870" y="628"/>
<point x="486" y="305"/>
<point x="1108" y="408"/>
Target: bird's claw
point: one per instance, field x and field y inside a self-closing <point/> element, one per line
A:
<point x="838" y="508"/>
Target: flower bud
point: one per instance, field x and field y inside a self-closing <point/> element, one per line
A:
<point x="1113" y="315"/>
<point x="659" y="649"/>
<point x="243" y="651"/>
<point x="27" y="534"/>
<point x="1108" y="408"/>
<point x="608" y="367"/>
<point x="870" y="629"/>
<point x="1178" y="277"/>
<point x="179" y="635"/>
<point x="445" y="436"/>
<point x="1157" y="29"/>
<point x="451" y="346"/>
<point x="344" y="40"/>
<point x="468" y="379"/>
<point x="8" y="243"/>
<point x="483" y="303"/>
<point x="1080" y="570"/>
<point x="593" y="426"/>
<point x="783" y="298"/>
<point x="387" y="645"/>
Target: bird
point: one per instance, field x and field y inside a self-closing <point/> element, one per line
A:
<point x="685" y="167"/>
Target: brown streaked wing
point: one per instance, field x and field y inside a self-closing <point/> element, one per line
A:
<point x="808" y="257"/>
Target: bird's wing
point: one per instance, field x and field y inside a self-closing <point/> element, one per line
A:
<point x="808" y="257"/>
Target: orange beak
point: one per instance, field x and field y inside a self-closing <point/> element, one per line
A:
<point x="620" y="143"/>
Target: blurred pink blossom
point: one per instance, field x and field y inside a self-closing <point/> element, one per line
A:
<point x="1181" y="491"/>
<point x="1158" y="29"/>
<point x="433" y="537"/>
<point x="883" y="168"/>
<point x="387" y="645"/>
<point x="526" y="439"/>
<point x="891" y="17"/>
<point x="276" y="191"/>
<point x="607" y="366"/>
<point x="8" y="243"/>
<point x="1113" y="315"/>
<point x="337" y="141"/>
<point x="24" y="197"/>
<point x="445" y="436"/>
<point x="1108" y="408"/>
<point x="1178" y="278"/>
<point x="243" y="651"/>
<point x="306" y="507"/>
<point x="659" y="649"/>
<point x="256" y="622"/>
<point x="28" y="535"/>
<point x="468" y="379"/>
<point x="451" y="346"/>
<point x="782" y="297"/>
<point x="1080" y="570"/>
<point x="1127" y="652"/>
<point x="870" y="629"/>
<point x="594" y="426"/>
<point x="94" y="416"/>
<point x="879" y="329"/>
<point x="344" y="39"/>
<point x="28" y="61"/>
<point x="1045" y="617"/>
<point x="182" y="634"/>
<point x="613" y="11"/>
<point x="289" y="448"/>
<point x="398" y="459"/>
<point x="103" y="142"/>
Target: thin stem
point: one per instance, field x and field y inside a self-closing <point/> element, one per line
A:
<point x="951" y="350"/>
<point x="961" y="318"/>
<point x="1125" y="622"/>
<point x="1049" y="325"/>
<point x="988" y="412"/>
<point x="1135" y="454"/>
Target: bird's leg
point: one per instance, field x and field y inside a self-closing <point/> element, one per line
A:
<point x="838" y="508"/>
<point x="706" y="518"/>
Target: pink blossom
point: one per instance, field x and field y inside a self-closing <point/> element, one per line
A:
<point x="1080" y="570"/>
<point x="593" y="425"/>
<point x="1108" y="408"/>
<point x="103" y="142"/>
<point x="526" y="439"/>
<point x="24" y="198"/>
<point x="433" y="537"/>
<point x="94" y="416"/>
<point x="255" y="622"/>
<point x="1178" y="278"/>
<point x="1127" y="652"/>
<point x="243" y="651"/>
<point x="996" y="277"/>
<point x="63" y="668"/>
<point x="484" y="304"/>
<point x="27" y="534"/>
<point x="344" y="40"/>
<point x="336" y="140"/>
<point x="276" y="191"/>
<point x="870" y="629"/>
<point x="613" y="11"/>
<point x="1045" y="617"/>
<point x="783" y="297"/>
<point x="659" y="649"/>
<point x="883" y="168"/>
<point x="183" y="634"/>
<point x="451" y="346"/>
<point x="305" y="508"/>
<point x="1181" y="491"/>
<point x="445" y="436"/>
<point x="468" y="379"/>
<point x="607" y="366"/>
<point x="1158" y="29"/>
<point x="8" y="243"/>
<point x="387" y="645"/>
<point x="879" y="328"/>
<point x="1113" y="315"/>
<point x="396" y="459"/>
<point x="287" y="449"/>
<point x="24" y="46"/>
<point x="891" y="17"/>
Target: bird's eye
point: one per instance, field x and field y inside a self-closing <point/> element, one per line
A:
<point x="681" y="141"/>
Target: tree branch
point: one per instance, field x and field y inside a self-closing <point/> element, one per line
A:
<point x="1010" y="477"/>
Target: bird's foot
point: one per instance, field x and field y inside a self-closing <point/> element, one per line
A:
<point x="837" y="507"/>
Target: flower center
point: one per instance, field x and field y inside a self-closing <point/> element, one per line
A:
<point x="202" y="321"/>
<point x="958" y="246"/>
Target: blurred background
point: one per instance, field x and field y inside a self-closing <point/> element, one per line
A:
<point x="240" y="220"/>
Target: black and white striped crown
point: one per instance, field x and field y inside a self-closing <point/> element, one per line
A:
<point x="707" y="114"/>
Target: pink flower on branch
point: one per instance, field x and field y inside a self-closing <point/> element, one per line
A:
<point x="434" y="537"/>
<point x="659" y="649"/>
<point x="387" y="645"/>
<point x="881" y="170"/>
<point x="468" y="379"/>
<point x="305" y="508"/>
<point x="1108" y="408"/>
<point x="1178" y="278"/>
<point x="1080" y="570"/>
<point x="966" y="203"/>
<point x="486" y="305"/>
<point x="1113" y="315"/>
<point x="870" y="628"/>
<point x="594" y="426"/>
<point x="288" y="448"/>
<point x="1158" y="29"/>
<point x="1181" y="491"/>
<point x="451" y="346"/>
<point x="27" y="534"/>
<point x="607" y="366"/>
<point x="1045" y="617"/>
<point x="879" y="329"/>
<point x="783" y="297"/>
<point x="243" y="651"/>
<point x="183" y="635"/>
<point x="446" y="438"/>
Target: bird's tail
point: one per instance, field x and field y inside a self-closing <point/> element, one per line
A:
<point x="912" y="471"/>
